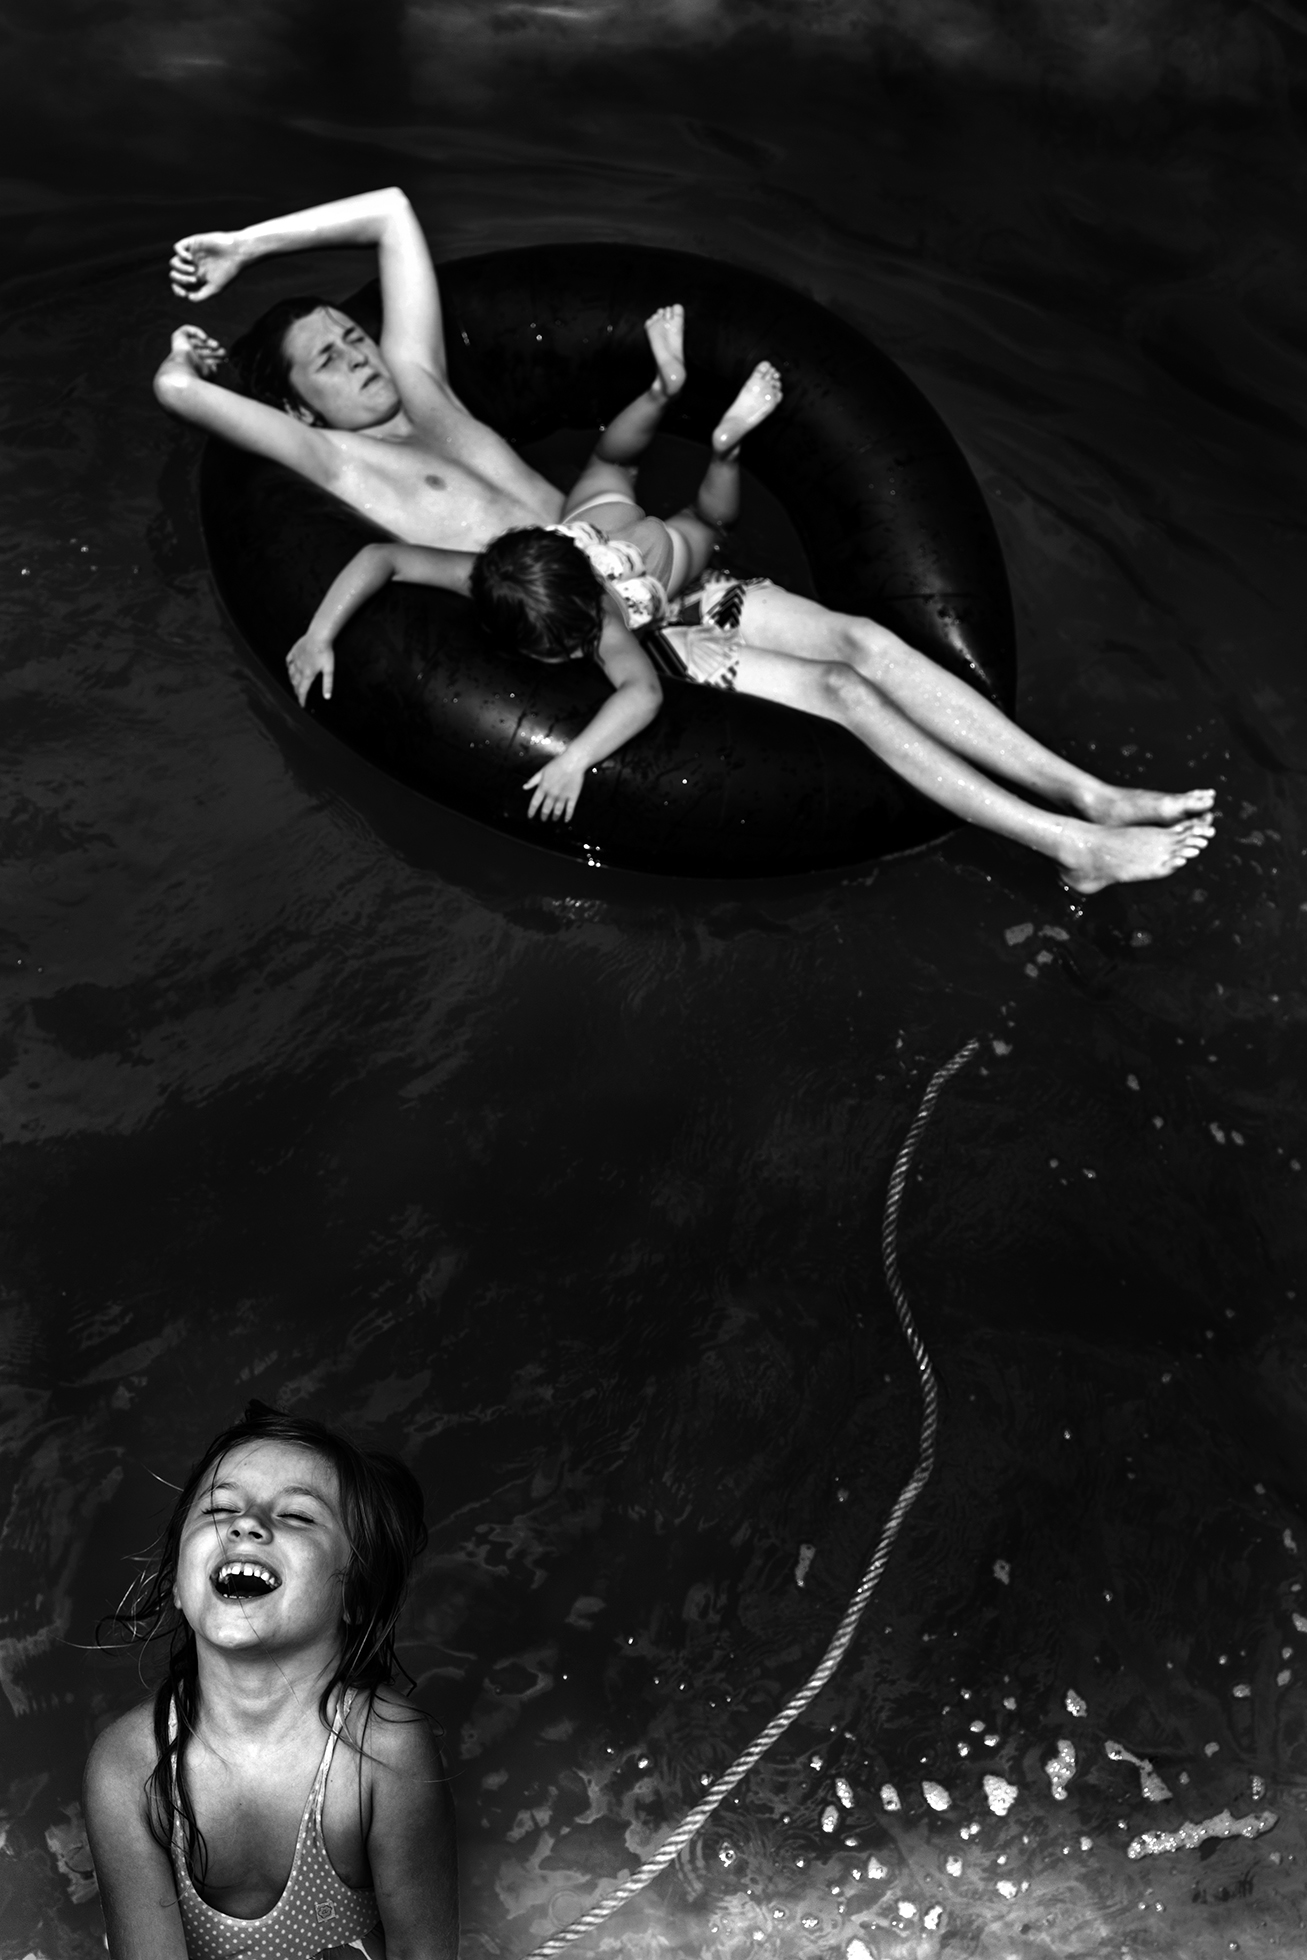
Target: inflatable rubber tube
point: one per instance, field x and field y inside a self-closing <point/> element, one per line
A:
<point x="719" y="785"/>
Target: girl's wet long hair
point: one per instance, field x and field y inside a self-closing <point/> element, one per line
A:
<point x="381" y="1510"/>
<point x="536" y="593"/>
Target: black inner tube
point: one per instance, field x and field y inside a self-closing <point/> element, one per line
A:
<point x="886" y="508"/>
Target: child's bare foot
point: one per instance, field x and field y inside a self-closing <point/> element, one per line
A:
<point x="1108" y="805"/>
<point x="760" y="394"/>
<point x="1096" y="855"/>
<point x="666" y="331"/>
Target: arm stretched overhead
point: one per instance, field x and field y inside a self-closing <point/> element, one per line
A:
<point x="413" y="331"/>
<point x="183" y="386"/>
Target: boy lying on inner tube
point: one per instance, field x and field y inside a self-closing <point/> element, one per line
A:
<point x="565" y="591"/>
<point x="379" y="426"/>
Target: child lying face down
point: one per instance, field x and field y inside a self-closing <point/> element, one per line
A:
<point x="582" y="588"/>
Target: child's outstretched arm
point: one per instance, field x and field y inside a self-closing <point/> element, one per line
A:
<point x="635" y="700"/>
<point x="374" y="567"/>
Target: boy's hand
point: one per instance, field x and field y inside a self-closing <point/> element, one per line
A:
<point x="308" y="658"/>
<point x="198" y="351"/>
<point x="556" y="787"/>
<point x="204" y="263"/>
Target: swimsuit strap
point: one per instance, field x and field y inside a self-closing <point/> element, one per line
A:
<point x="319" y="1790"/>
<point x="316" y="1910"/>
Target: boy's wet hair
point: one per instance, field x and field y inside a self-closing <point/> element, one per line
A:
<point x="382" y="1513"/>
<point x="536" y="593"/>
<point x="260" y="358"/>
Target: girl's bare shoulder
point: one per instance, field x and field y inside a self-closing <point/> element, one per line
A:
<point x="396" y="1735"/>
<point x="125" y="1750"/>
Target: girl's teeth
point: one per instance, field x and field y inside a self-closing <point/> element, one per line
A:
<point x="246" y="1568"/>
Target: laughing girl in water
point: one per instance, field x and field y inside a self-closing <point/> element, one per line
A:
<point x="277" y="1800"/>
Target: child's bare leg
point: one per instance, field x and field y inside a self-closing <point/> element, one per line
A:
<point x="953" y="712"/>
<point x="718" y="501"/>
<point x="694" y="546"/>
<point x="717" y="505"/>
<point x="611" y="468"/>
<point x="629" y="433"/>
<point x="703" y="524"/>
<point x="1089" y="855"/>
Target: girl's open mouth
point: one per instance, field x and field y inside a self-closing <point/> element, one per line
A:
<point x="244" y="1579"/>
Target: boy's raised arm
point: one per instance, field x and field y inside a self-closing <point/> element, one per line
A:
<point x="183" y="386"/>
<point x="206" y="261"/>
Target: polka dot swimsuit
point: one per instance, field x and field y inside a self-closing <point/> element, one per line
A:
<point x="317" y="1910"/>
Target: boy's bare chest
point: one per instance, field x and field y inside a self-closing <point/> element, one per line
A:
<point x="457" y="492"/>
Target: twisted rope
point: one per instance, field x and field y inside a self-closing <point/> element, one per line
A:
<point x="672" y="1846"/>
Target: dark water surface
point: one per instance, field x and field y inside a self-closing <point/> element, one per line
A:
<point x="569" y="1187"/>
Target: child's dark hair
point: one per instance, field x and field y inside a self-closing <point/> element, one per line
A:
<point x="536" y="593"/>
<point x="381" y="1510"/>
<point x="260" y="358"/>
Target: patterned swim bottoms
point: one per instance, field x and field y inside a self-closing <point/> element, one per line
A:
<point x="699" y="638"/>
<point x="716" y="599"/>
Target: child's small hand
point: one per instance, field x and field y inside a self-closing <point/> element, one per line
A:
<point x="556" y="787"/>
<point x="308" y="658"/>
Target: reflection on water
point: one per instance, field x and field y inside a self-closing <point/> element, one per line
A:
<point x="569" y="1187"/>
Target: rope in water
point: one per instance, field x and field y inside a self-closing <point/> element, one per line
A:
<point x="830" y="1660"/>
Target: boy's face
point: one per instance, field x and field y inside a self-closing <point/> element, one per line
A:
<point x="264" y="1551"/>
<point x="339" y="372"/>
